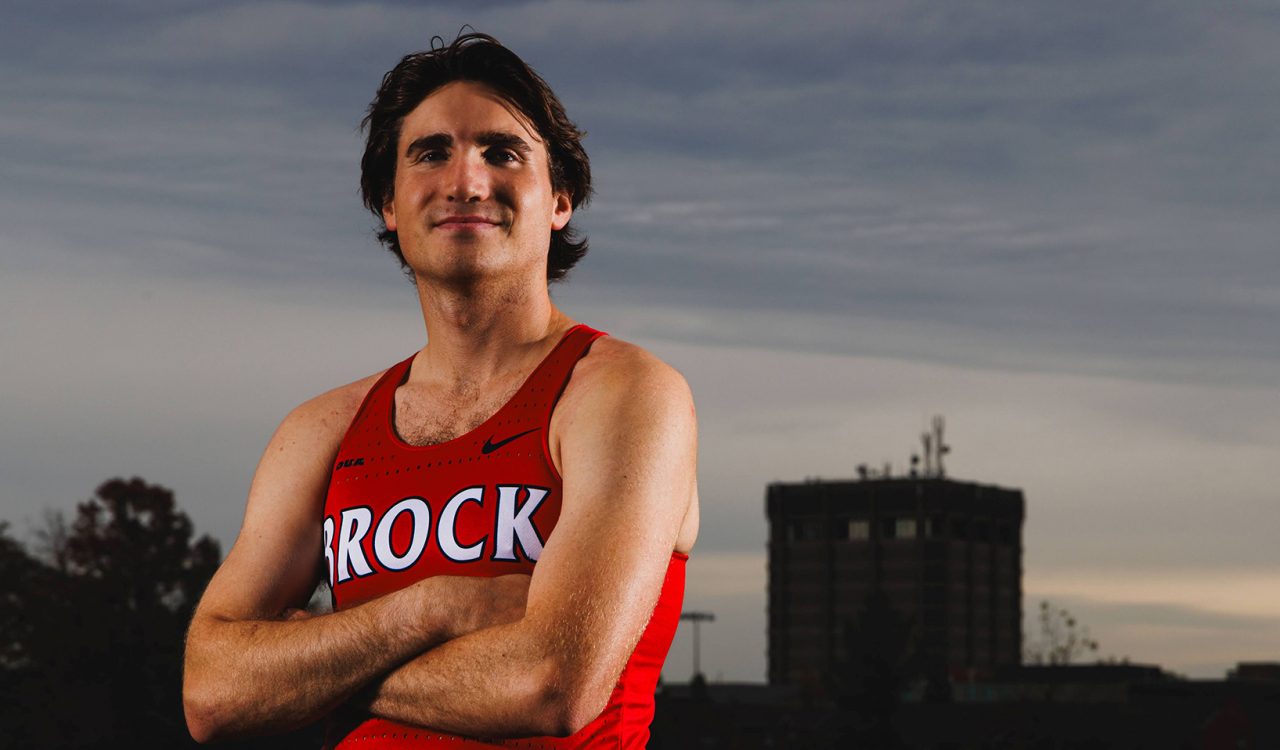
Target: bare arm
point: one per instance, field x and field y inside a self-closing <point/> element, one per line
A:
<point x="628" y="457"/>
<point x="247" y="669"/>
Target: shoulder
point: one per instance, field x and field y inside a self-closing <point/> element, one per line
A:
<point x="333" y="410"/>
<point x="314" y="428"/>
<point x="619" y="393"/>
<point x="626" y="427"/>
<point x="272" y="564"/>
<point x="295" y="465"/>
<point x="615" y="371"/>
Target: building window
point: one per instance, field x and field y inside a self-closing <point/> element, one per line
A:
<point x="806" y="530"/>
<point x="859" y="529"/>
<point x="905" y="528"/>
<point x="959" y="529"/>
<point x="887" y="527"/>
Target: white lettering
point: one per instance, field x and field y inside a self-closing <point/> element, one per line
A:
<point x="446" y="530"/>
<point x="517" y="524"/>
<point x="355" y="524"/>
<point x="421" y="519"/>
<point x="328" y="547"/>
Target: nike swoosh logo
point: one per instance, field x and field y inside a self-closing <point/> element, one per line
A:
<point x="490" y="446"/>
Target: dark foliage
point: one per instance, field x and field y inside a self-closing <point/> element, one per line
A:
<point x="91" y="636"/>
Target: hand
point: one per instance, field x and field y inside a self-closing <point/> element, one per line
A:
<point x="508" y="596"/>
<point x="486" y="602"/>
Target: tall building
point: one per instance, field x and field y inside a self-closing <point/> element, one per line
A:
<point x="947" y="556"/>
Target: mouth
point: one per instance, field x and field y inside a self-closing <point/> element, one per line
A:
<point x="456" y="223"/>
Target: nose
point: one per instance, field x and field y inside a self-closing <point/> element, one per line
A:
<point x="468" y="180"/>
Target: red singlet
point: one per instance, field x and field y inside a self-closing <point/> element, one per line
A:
<point x="482" y="504"/>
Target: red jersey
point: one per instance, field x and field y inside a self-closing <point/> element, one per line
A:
<point x="482" y="504"/>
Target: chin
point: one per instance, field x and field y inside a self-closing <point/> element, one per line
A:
<point x="466" y="263"/>
<point x="467" y="271"/>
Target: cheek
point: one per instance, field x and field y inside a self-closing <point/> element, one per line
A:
<point x="536" y="198"/>
<point x="523" y="201"/>
<point x="408" y="191"/>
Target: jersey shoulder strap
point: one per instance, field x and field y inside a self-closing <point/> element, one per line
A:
<point x="531" y="404"/>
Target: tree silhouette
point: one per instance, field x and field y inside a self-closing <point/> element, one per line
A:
<point x="93" y="634"/>
<point x="92" y="626"/>
<point x="132" y="539"/>
<point x="1062" y="639"/>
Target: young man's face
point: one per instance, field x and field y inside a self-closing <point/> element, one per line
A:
<point x="473" y="193"/>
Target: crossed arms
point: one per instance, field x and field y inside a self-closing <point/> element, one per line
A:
<point x="464" y="655"/>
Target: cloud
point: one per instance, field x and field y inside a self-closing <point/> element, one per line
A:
<point x="1220" y="597"/>
<point x="1039" y="178"/>
<point x="1054" y="223"/>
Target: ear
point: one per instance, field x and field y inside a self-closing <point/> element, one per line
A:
<point x="561" y="211"/>
<point x="389" y="215"/>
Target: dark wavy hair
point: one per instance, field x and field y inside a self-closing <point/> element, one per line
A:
<point x="481" y="59"/>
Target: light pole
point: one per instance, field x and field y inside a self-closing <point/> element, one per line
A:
<point x="697" y="618"/>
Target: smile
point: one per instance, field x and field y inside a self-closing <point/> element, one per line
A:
<point x="463" y="223"/>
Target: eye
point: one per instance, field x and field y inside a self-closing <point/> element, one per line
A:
<point x="501" y="155"/>
<point x="430" y="154"/>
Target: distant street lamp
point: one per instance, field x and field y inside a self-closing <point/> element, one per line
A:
<point x="697" y="618"/>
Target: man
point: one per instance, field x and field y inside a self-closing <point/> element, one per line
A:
<point x="427" y="491"/>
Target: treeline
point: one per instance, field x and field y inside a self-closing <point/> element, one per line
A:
<point x="92" y="624"/>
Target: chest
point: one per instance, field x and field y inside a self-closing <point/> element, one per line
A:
<point x="441" y="498"/>
<point x="423" y="416"/>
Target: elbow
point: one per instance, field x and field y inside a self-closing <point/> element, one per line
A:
<point x="565" y="689"/>
<point x="200" y="718"/>
<point x="204" y="712"/>
<point x="207" y="705"/>
<point x="572" y="705"/>
<point x="197" y="699"/>
<point x="200" y="732"/>
<point x="571" y="718"/>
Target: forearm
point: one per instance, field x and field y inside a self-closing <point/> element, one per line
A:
<point x="247" y="677"/>
<point x="497" y="682"/>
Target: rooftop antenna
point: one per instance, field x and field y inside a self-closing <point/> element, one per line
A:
<point x="934" y="449"/>
<point x="941" y="447"/>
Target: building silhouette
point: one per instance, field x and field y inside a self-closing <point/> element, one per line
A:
<point x="895" y="622"/>
<point x="944" y="556"/>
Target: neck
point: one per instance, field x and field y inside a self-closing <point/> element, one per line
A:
<point x="480" y="330"/>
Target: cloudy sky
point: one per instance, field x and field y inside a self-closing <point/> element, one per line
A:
<point x="1053" y="223"/>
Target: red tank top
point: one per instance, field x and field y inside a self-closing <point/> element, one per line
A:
<point x="482" y="504"/>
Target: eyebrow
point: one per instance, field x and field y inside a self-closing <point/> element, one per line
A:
<point x="488" y="138"/>
<point x="427" y="143"/>
<point x="504" y="140"/>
